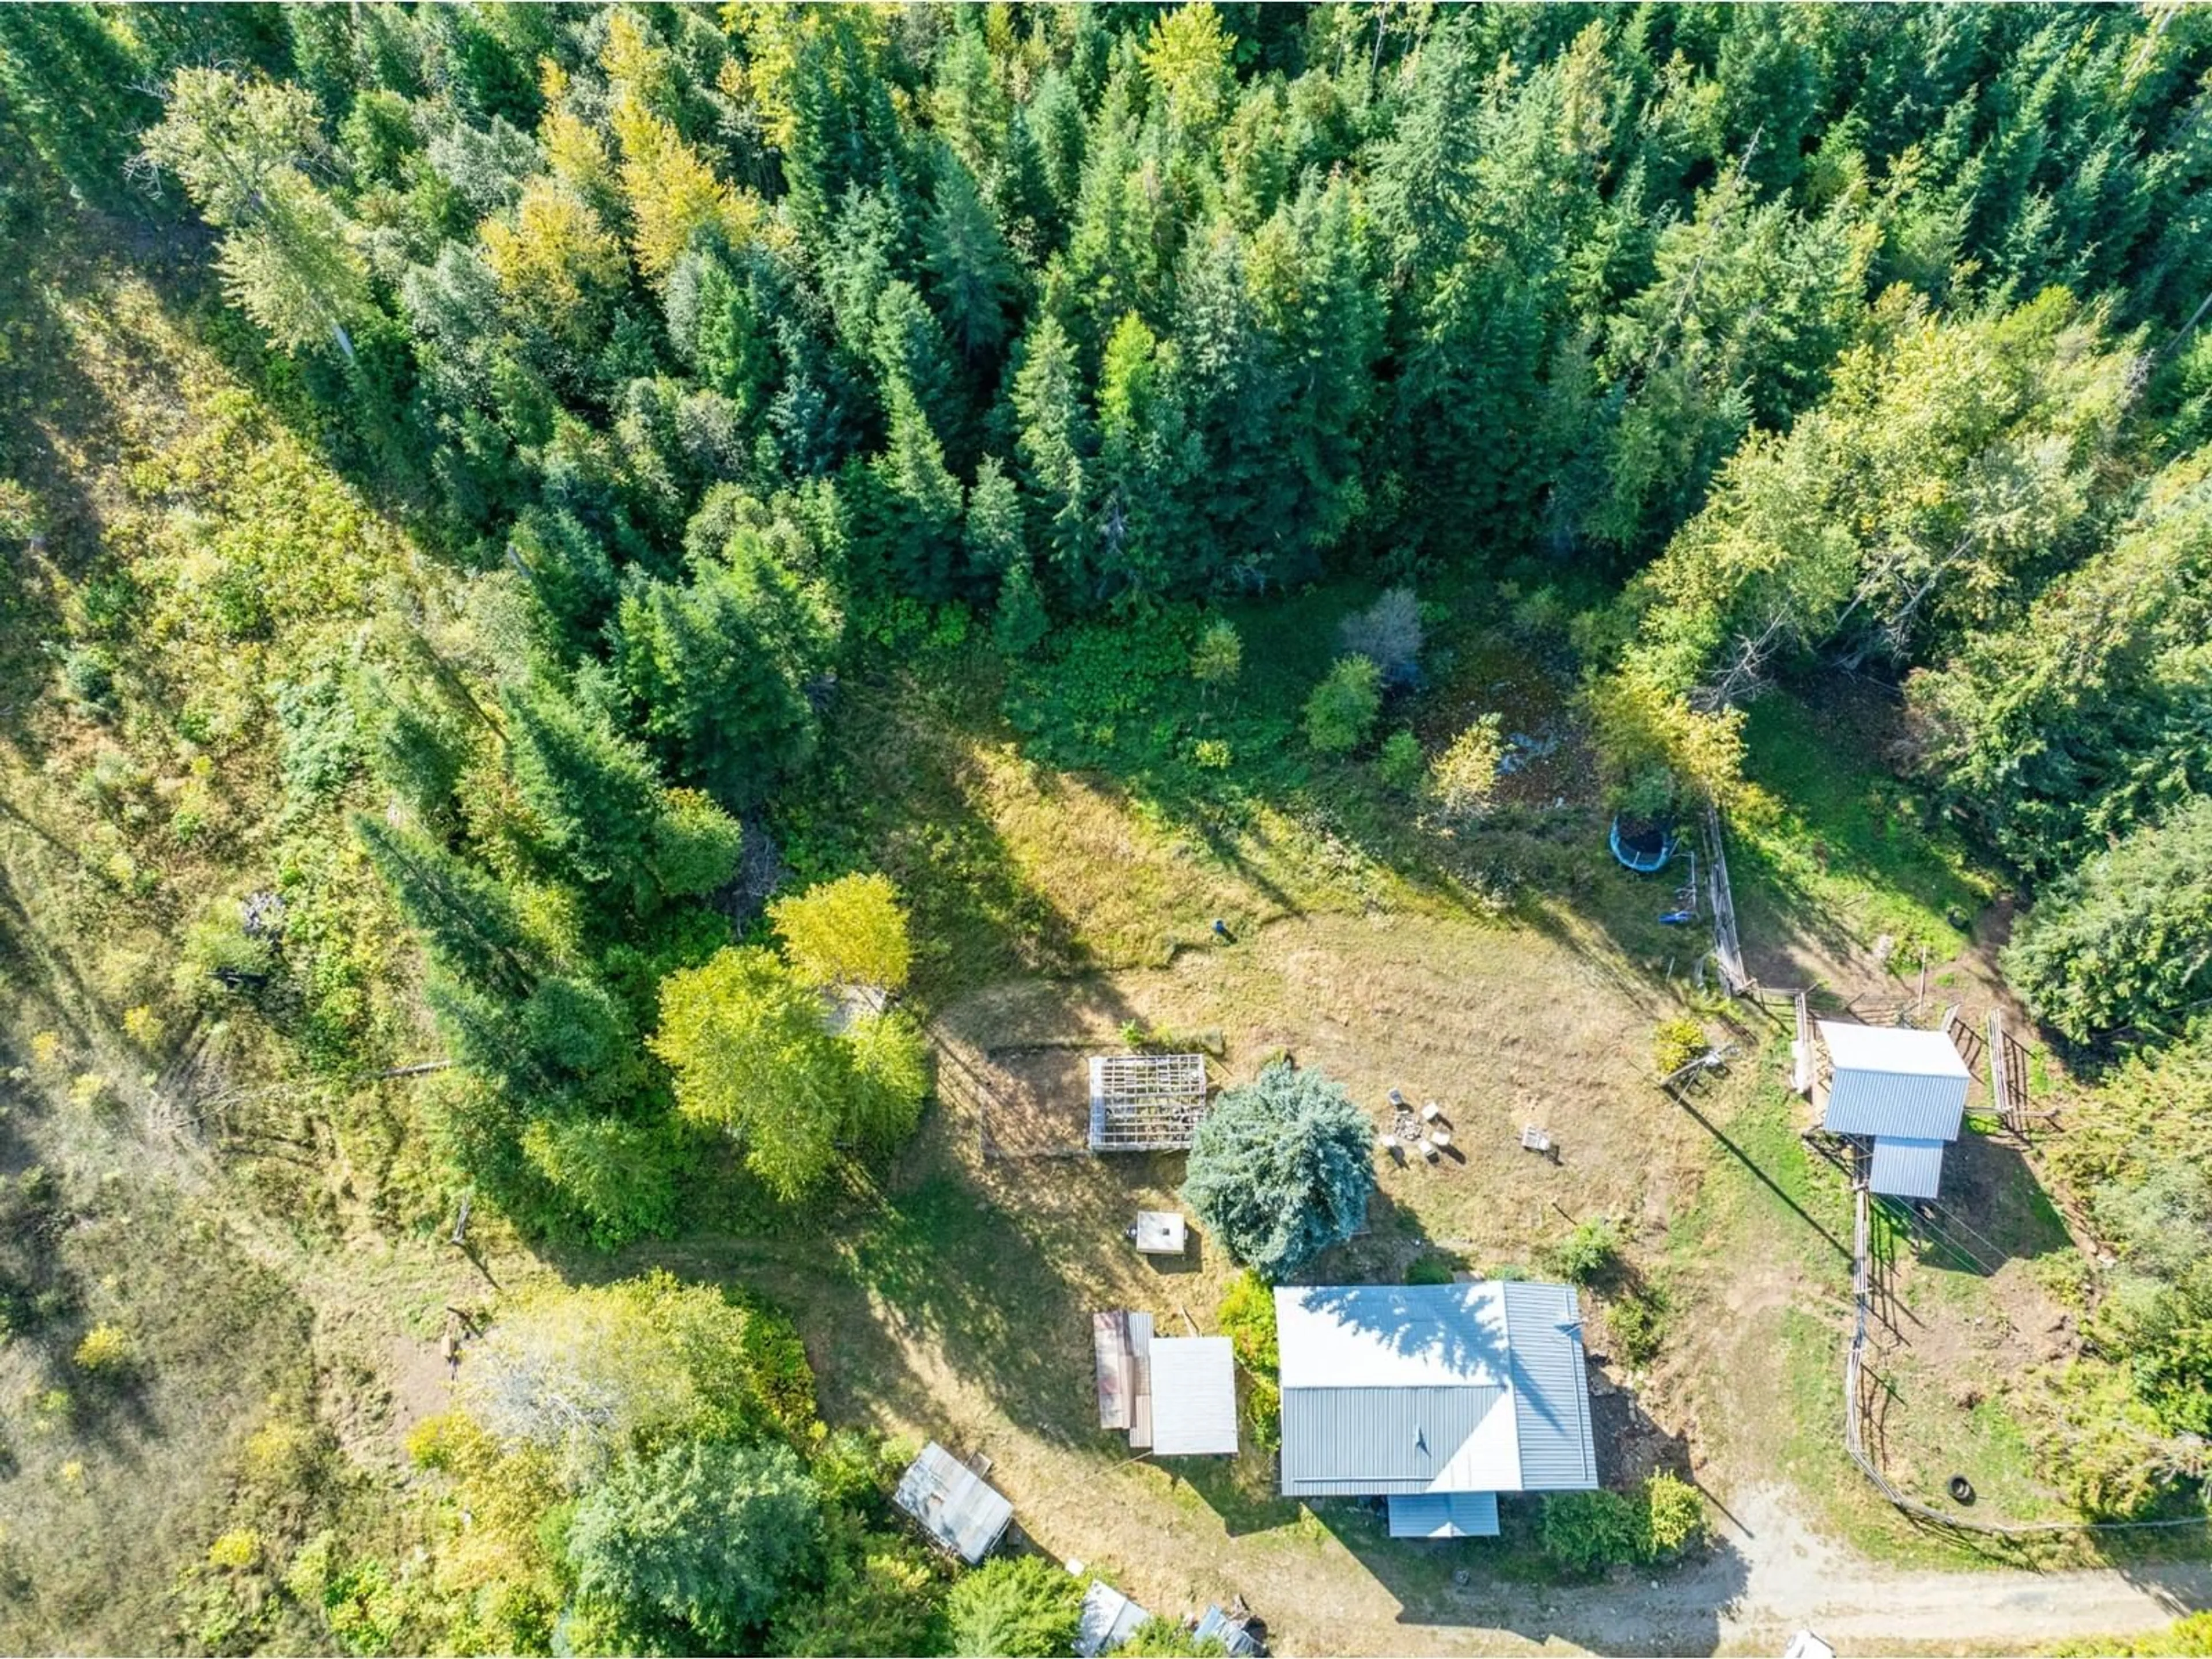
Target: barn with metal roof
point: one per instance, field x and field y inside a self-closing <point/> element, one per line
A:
<point x="1439" y="1395"/>
<point x="1904" y="1088"/>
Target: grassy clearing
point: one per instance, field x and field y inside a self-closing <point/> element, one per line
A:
<point x="190" y="586"/>
<point x="1843" y="855"/>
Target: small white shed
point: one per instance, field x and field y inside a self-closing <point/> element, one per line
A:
<point x="1903" y="1088"/>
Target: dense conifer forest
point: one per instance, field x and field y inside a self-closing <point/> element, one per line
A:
<point x="638" y="391"/>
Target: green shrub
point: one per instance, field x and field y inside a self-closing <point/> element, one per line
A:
<point x="1429" y="1268"/>
<point x="1637" y="1320"/>
<point x="1340" y="713"/>
<point x="1218" y="657"/>
<point x="1589" y="1255"/>
<point x="1674" y="1043"/>
<point x="106" y="1351"/>
<point x="1167" y="1638"/>
<point x="1586" y="1532"/>
<point x="1401" y="763"/>
<point x="1674" y="1515"/>
<point x="1246" y="1316"/>
<point x="1017" y="1605"/>
<point x="1464" y="777"/>
<point x="2185" y="1638"/>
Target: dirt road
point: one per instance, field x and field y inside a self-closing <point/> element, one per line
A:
<point x="1773" y="1576"/>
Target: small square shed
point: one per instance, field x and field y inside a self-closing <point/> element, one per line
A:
<point x="1146" y="1103"/>
<point x="954" y="1504"/>
<point x="1194" y="1397"/>
<point x="1176" y="1395"/>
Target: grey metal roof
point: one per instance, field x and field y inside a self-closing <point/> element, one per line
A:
<point x="1193" y="1396"/>
<point x="1893" y="1081"/>
<point x="1390" y="1389"/>
<point x="953" y="1503"/>
<point x="1349" y="1441"/>
<point x="1107" y="1619"/>
<point x="1444" y="1514"/>
<point x="1905" y="1168"/>
<point x="1550" y="1388"/>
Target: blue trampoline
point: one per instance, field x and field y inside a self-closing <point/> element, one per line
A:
<point x="1644" y="850"/>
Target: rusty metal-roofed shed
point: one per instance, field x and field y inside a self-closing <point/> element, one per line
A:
<point x="1146" y="1103"/>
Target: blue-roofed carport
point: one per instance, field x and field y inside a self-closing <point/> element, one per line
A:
<point x="1904" y="1168"/>
<point x="1444" y="1514"/>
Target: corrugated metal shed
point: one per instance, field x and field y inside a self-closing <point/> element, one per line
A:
<point x="1904" y="1168"/>
<point x="1550" y="1388"/>
<point x="1478" y="1386"/>
<point x="1892" y="1080"/>
<point x="1444" y="1514"/>
<point x="1233" y="1634"/>
<point x="1194" y="1397"/>
<point x="953" y="1503"/>
<point x="1107" y="1619"/>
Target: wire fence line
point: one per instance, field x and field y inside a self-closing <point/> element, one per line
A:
<point x="1858" y="1407"/>
<point x="2009" y="1063"/>
<point x="1727" y="948"/>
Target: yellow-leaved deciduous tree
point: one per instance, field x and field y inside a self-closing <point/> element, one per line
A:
<point x="575" y="152"/>
<point x="891" y="1075"/>
<point x="1646" y="732"/>
<point x="848" y="933"/>
<point x="1465" y="777"/>
<point x="554" y="259"/>
<point x="746" y="1040"/>
<point x="758" y="1051"/>
<point x="580" y="1374"/>
<point x="242" y="148"/>
<point x="1187" y="59"/>
<point x="671" y="190"/>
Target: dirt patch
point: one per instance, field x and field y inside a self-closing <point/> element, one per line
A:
<point x="1550" y="762"/>
<point x="419" y="1381"/>
<point x="1036" y="1101"/>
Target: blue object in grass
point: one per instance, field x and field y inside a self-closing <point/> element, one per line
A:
<point x="1640" y="852"/>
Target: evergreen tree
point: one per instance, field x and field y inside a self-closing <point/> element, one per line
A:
<point x="2125" y="940"/>
<point x="716" y="670"/>
<point x="467" y="920"/>
<point x="917" y="503"/>
<point x="1280" y="1169"/>
<point x="1056" y="439"/>
<point x="971" y="271"/>
<point x="700" y="1537"/>
<point x="242" y="148"/>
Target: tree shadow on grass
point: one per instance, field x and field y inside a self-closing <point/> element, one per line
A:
<point x="1507" y="1584"/>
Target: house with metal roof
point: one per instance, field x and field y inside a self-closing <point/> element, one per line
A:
<point x="1903" y="1089"/>
<point x="1437" y="1397"/>
<point x="955" y="1506"/>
